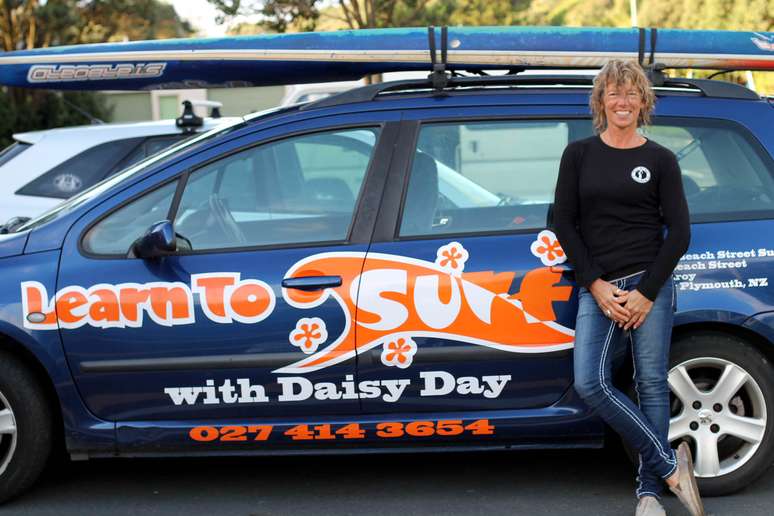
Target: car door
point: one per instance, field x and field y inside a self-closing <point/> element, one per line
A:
<point x="221" y="329"/>
<point x="465" y="298"/>
<point x="730" y="193"/>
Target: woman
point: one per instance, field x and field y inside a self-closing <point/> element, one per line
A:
<point x="615" y="193"/>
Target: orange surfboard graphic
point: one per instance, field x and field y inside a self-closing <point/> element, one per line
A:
<point x="400" y="298"/>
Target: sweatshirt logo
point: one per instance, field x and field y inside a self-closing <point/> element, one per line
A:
<point x="641" y="174"/>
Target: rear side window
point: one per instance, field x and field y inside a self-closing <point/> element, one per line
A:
<point x="727" y="175"/>
<point x="12" y="151"/>
<point x="81" y="171"/>
<point x="480" y="177"/>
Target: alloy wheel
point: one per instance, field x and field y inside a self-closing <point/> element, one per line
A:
<point x="719" y="408"/>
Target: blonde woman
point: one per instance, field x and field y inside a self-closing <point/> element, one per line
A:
<point x="616" y="193"/>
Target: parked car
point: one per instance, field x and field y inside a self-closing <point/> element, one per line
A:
<point x="41" y="168"/>
<point x="377" y="275"/>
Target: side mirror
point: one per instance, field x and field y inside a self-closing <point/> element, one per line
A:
<point x="159" y="240"/>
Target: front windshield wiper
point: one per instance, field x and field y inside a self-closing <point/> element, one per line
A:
<point x="13" y="224"/>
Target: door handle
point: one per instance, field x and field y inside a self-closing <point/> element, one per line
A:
<point x="310" y="283"/>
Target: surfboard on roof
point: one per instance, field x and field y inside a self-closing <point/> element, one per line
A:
<point x="345" y="55"/>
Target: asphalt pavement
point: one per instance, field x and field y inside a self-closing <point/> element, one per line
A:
<point x="534" y="483"/>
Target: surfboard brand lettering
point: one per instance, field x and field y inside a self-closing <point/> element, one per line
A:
<point x="298" y="388"/>
<point x="763" y="41"/>
<point x="97" y="72"/>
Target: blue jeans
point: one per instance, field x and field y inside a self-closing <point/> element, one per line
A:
<point x="644" y="428"/>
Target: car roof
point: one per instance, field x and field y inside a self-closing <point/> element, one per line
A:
<point x="118" y="130"/>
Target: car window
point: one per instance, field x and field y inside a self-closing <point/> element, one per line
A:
<point x="727" y="175"/>
<point x="81" y="171"/>
<point x="115" y="234"/>
<point x="299" y="190"/>
<point x="485" y="176"/>
<point x="12" y="151"/>
<point x="147" y="148"/>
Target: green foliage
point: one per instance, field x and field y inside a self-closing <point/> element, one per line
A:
<point x="35" y="24"/>
<point x="305" y="15"/>
<point x="489" y="12"/>
<point x="24" y="110"/>
<point x="708" y="14"/>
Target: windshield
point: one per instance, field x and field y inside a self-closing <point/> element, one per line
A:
<point x="110" y="182"/>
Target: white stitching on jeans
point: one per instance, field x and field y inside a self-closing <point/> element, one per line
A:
<point x="626" y="277"/>
<point x="639" y="477"/>
<point x="623" y="407"/>
<point x="640" y="484"/>
<point x="671" y="471"/>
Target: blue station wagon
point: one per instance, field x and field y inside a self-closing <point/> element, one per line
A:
<point x="376" y="271"/>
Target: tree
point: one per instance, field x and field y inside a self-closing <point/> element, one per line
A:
<point x="749" y="15"/>
<point x="304" y="15"/>
<point x="708" y="14"/>
<point x="489" y="12"/>
<point x="28" y="24"/>
<point x="36" y="24"/>
<point x="35" y="110"/>
<point x="599" y="13"/>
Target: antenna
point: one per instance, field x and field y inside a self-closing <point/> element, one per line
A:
<point x="92" y="119"/>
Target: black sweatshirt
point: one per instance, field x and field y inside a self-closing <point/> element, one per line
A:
<point x="610" y="209"/>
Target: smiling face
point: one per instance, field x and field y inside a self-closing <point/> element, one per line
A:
<point x="623" y="103"/>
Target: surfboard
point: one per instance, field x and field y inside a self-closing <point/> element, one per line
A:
<point x="345" y="55"/>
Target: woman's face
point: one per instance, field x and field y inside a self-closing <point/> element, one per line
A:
<point x="622" y="105"/>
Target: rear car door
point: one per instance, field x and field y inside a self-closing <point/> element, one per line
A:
<point x="222" y="330"/>
<point x="729" y="187"/>
<point x="464" y="299"/>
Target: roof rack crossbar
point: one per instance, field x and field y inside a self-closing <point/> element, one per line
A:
<point x="709" y="88"/>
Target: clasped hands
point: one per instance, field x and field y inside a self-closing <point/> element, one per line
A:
<point x="627" y="308"/>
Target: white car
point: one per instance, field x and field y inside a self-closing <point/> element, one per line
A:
<point x="42" y="168"/>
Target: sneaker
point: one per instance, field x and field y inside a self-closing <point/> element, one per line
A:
<point x="687" y="491"/>
<point x="649" y="506"/>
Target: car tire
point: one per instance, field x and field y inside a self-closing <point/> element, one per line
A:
<point x="700" y="354"/>
<point x="26" y="427"/>
<point x="738" y="425"/>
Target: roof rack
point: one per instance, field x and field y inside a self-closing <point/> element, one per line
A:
<point x="709" y="88"/>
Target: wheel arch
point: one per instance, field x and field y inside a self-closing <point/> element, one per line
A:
<point x="38" y="370"/>
<point x="757" y="340"/>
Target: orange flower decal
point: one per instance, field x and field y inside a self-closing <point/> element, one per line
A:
<point x="309" y="334"/>
<point x="452" y="257"/>
<point x="548" y="249"/>
<point x="399" y="352"/>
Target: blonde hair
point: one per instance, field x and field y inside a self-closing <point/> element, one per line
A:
<point x="618" y="72"/>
